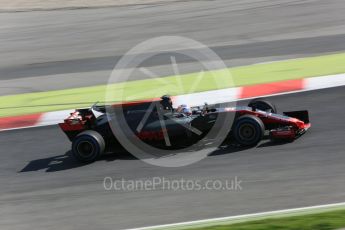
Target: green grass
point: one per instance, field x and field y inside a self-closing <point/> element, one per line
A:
<point x="133" y="90"/>
<point x="321" y="221"/>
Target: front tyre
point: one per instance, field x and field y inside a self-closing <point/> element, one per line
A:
<point x="248" y="130"/>
<point x="88" y="146"/>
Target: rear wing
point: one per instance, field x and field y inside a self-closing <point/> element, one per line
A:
<point x="302" y="115"/>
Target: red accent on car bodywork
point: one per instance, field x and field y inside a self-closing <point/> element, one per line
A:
<point x="307" y="126"/>
<point x="69" y="127"/>
<point x="271" y="88"/>
<point x="151" y="135"/>
<point x="74" y="122"/>
<point x="283" y="134"/>
<point x="134" y="103"/>
<point x="293" y="126"/>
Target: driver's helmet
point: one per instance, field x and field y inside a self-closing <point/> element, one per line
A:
<point x="166" y="102"/>
<point x="184" y="109"/>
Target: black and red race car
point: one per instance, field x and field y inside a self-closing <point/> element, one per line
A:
<point x="91" y="132"/>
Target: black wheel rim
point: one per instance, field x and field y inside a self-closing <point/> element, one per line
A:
<point x="85" y="149"/>
<point x="247" y="132"/>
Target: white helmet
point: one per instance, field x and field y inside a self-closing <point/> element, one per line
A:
<point x="183" y="109"/>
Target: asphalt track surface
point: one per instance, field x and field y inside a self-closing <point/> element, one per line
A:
<point x="42" y="187"/>
<point x="47" y="50"/>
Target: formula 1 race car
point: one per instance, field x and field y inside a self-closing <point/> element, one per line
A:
<point x="91" y="134"/>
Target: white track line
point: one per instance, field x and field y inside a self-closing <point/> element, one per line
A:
<point x="324" y="82"/>
<point x="211" y="97"/>
<point x="294" y="211"/>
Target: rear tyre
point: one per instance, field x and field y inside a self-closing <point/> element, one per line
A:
<point x="263" y="105"/>
<point x="248" y="130"/>
<point x="88" y="146"/>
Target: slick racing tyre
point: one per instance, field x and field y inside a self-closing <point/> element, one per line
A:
<point x="263" y="105"/>
<point x="88" y="146"/>
<point x="248" y="130"/>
